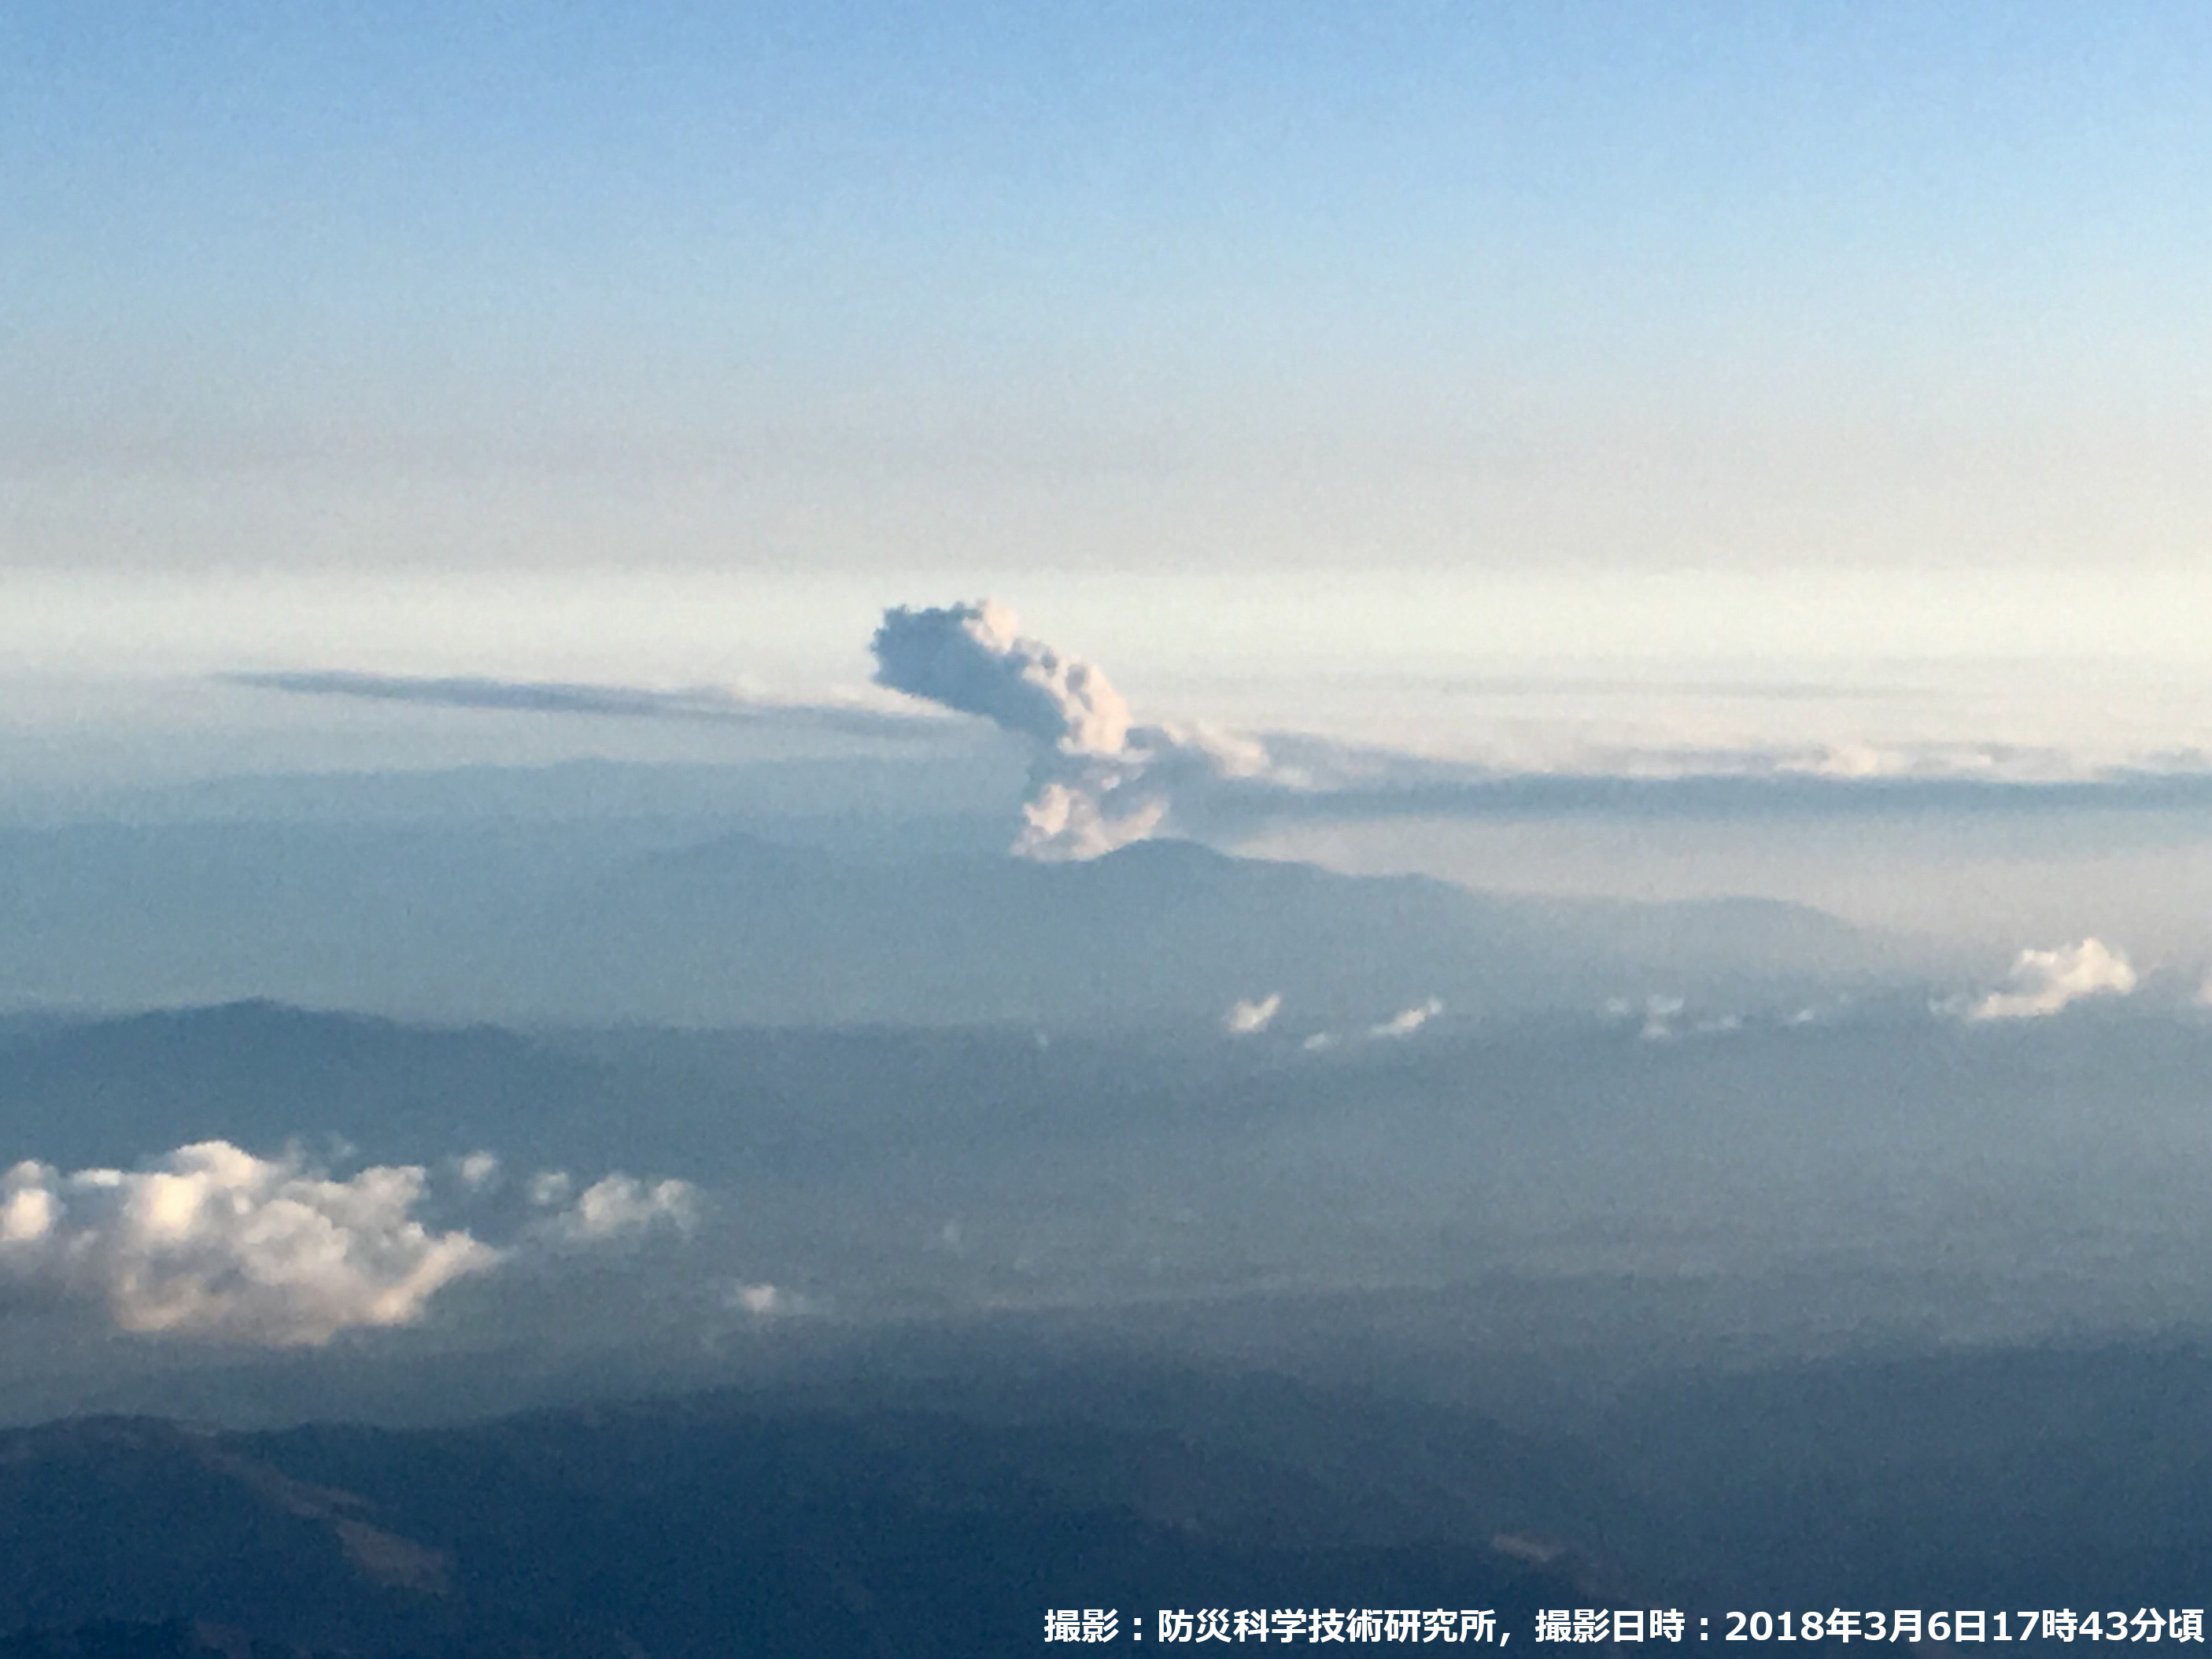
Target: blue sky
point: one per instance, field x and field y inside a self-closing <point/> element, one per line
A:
<point x="1158" y="321"/>
<point x="1127" y="241"/>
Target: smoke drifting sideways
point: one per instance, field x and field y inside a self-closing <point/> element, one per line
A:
<point x="1097" y="780"/>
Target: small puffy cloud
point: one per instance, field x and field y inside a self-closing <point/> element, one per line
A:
<point x="1249" y="1018"/>
<point x="1662" y="1018"/>
<point x="1399" y="1026"/>
<point x="1407" y="1021"/>
<point x="29" y="1209"/>
<point x="215" y="1242"/>
<point x="551" y="1187"/>
<point x="622" y="1206"/>
<point x="2045" y="982"/>
<point x="763" y="1301"/>
<point x="478" y="1170"/>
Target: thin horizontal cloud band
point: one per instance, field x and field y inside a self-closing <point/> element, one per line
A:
<point x="702" y="703"/>
<point x="1303" y="776"/>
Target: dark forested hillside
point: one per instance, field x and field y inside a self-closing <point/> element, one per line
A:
<point x="703" y="1529"/>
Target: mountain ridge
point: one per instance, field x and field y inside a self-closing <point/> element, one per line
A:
<point x="537" y="924"/>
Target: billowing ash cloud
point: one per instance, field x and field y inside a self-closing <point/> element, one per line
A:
<point x="2044" y="982"/>
<point x="1098" y="782"/>
<point x="1407" y="1021"/>
<point x="1249" y="1018"/>
<point x="216" y="1242"/>
<point x="970" y="657"/>
<point x="1101" y="808"/>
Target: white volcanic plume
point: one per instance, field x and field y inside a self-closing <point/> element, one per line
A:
<point x="1098" y="782"/>
<point x="969" y="656"/>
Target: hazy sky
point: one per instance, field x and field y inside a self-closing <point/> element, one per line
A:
<point x="1225" y="342"/>
<point x="1819" y="395"/>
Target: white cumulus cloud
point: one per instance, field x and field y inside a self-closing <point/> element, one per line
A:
<point x="763" y="1301"/>
<point x="212" y="1241"/>
<point x="1407" y="1021"/>
<point x="2044" y="982"/>
<point x="621" y="1206"/>
<point x="551" y="1187"/>
<point x="215" y="1242"/>
<point x="1248" y="1019"/>
<point x="1659" y="1013"/>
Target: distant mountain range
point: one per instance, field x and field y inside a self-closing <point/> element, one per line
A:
<point x="1162" y="931"/>
<point x="590" y="923"/>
